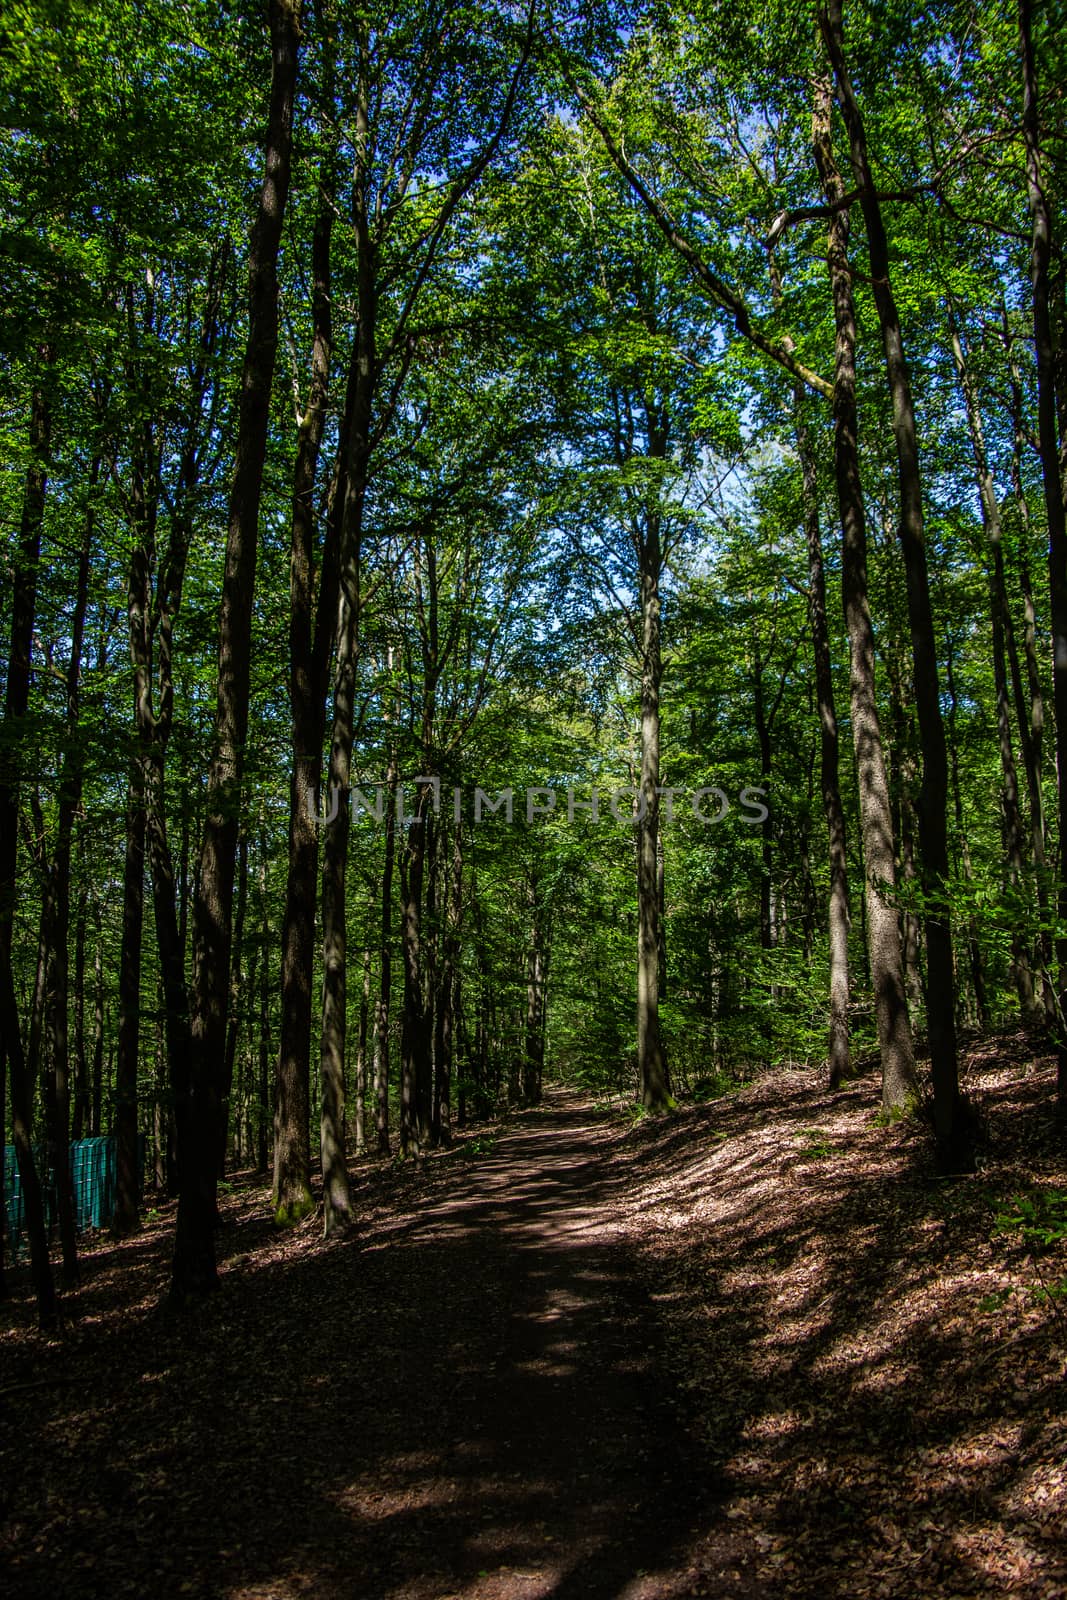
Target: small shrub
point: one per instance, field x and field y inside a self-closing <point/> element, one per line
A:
<point x="1040" y="1218"/>
<point x="816" y="1144"/>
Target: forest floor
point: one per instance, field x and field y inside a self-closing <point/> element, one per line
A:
<point x="754" y="1348"/>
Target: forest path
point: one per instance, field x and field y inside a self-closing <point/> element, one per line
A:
<point x="541" y="1453"/>
<point x="757" y="1348"/>
<point x="462" y="1399"/>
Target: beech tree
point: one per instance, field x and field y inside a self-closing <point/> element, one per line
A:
<point x="197" y="1080"/>
<point x="516" y="403"/>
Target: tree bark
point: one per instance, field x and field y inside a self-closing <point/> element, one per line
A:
<point x="883" y="930"/>
<point x="362" y="384"/>
<point x="265" y="1110"/>
<point x="974" y="948"/>
<point x="82" y="1097"/>
<point x="16" y="703"/>
<point x="1014" y="847"/>
<point x="838" y="916"/>
<point x="335" y="1188"/>
<point x="150" y="620"/>
<point x="902" y="783"/>
<point x="360" y="1118"/>
<point x="385" y="981"/>
<point x="653" y="1073"/>
<point x="233" y="1019"/>
<point x="126" y="1217"/>
<point x="940" y="987"/>
<point x="98" y="1025"/>
<point x="337" y="1200"/>
<point x="535" y="996"/>
<point x="447" y="995"/>
<point x="309" y="650"/>
<point x="194" y="1270"/>
<point x="55" y="918"/>
<point x="763" y="739"/>
<point x="415" y="1040"/>
<point x="1053" y="483"/>
<point x="1029" y="704"/>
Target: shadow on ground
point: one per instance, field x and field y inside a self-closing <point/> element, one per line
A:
<point x="465" y="1400"/>
<point x="736" y="1354"/>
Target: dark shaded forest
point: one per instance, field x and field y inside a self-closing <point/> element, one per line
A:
<point x="534" y="628"/>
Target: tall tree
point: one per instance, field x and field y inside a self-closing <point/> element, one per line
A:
<point x="1001" y="623"/>
<point x="876" y="824"/>
<point x="838" y="1055"/>
<point x="940" y="990"/>
<point x="55" y="912"/>
<point x="197" y="1111"/>
<point x="311" y="625"/>
<point x="1051" y="470"/>
<point x="16" y="702"/>
<point x="399" y="225"/>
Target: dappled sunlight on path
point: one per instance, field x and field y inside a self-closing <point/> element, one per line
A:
<point x="754" y="1349"/>
<point x="464" y="1400"/>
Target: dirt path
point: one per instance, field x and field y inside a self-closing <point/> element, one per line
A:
<point x="464" y="1401"/>
<point x="759" y="1348"/>
<point x="565" y="1472"/>
<point x="538" y="1452"/>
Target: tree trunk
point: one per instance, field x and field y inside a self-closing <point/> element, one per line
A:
<point x="265" y="1110"/>
<point x="416" y="1039"/>
<point x="96" y="1123"/>
<point x="82" y="1102"/>
<point x="974" y="948"/>
<point x="363" y="378"/>
<point x="654" y="1077"/>
<point x="1000" y="619"/>
<point x="933" y="821"/>
<point x="447" y="994"/>
<point x="1053" y="482"/>
<point x="763" y="739"/>
<point x="151" y="624"/>
<point x="16" y="703"/>
<point x="1030" y="703"/>
<point x="126" y="1218"/>
<point x="1030" y="716"/>
<point x="36" y="1062"/>
<point x="838" y="918"/>
<point x="233" y="1019"/>
<point x="194" y="1270"/>
<point x="335" y="1188"/>
<point x="381" y="1007"/>
<point x="3" y="1169"/>
<point x="309" y="651"/>
<point x="159" y="1120"/>
<point x="535" y="980"/>
<point x="883" y="930"/>
<point x="55" y="918"/>
<point x="360" y="1119"/>
<point x="905" y="822"/>
<point x="661" y="902"/>
<point x="426" y="1099"/>
<point x="337" y="1200"/>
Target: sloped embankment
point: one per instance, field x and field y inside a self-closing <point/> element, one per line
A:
<point x="876" y="1368"/>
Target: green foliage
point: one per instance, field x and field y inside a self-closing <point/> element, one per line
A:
<point x="1039" y="1218"/>
<point x="1049" y="1294"/>
<point x="483" y="1145"/>
<point x="816" y="1144"/>
<point x="713" y="1086"/>
<point x="554" y="380"/>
